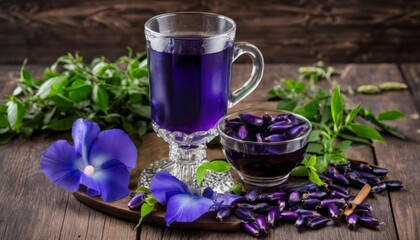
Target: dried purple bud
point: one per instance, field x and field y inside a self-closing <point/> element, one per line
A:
<point x="261" y="223"/>
<point x="333" y="212"/>
<point x="289" y="216"/>
<point x="267" y="118"/>
<point x="275" y="138"/>
<point x="294" y="198"/>
<point x="311" y="203"/>
<point x="316" y="195"/>
<point x="378" y="171"/>
<point x="250" y="119"/>
<point x="339" y="202"/>
<point x="393" y="185"/>
<point x="223" y="214"/>
<point x="136" y="201"/>
<point x="352" y="221"/>
<point x="262" y="197"/>
<point x="234" y="124"/>
<point x="356" y="180"/>
<point x="370" y="177"/>
<point x="259" y="138"/>
<point x="380" y="187"/>
<point x="242" y="132"/>
<point x="245" y="205"/>
<point x="281" y="117"/>
<point x="282" y="204"/>
<point x="262" y="207"/>
<point x="336" y="194"/>
<point x="318" y="222"/>
<point x="273" y="216"/>
<point x="244" y="214"/>
<point x="368" y="221"/>
<point x="293" y="119"/>
<point x="279" y="127"/>
<point x="253" y="194"/>
<point x="301" y="222"/>
<point x="294" y="132"/>
<point x="251" y="228"/>
<point x="340" y="179"/>
<point x="308" y="213"/>
<point x="361" y="166"/>
<point x="338" y="188"/>
<point x="343" y="168"/>
<point x="364" y="206"/>
<point x="277" y="196"/>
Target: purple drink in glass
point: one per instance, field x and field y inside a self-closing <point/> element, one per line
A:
<point x="189" y="87"/>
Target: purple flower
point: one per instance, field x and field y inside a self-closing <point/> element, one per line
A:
<point x="182" y="205"/>
<point x="186" y="204"/>
<point x="98" y="160"/>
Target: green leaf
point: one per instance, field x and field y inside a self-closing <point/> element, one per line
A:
<point x="390" y="115"/>
<point x="294" y="85"/>
<point x="299" y="171"/>
<point x="287" y="105"/>
<point x="314" y="177"/>
<point x="337" y="107"/>
<point x="321" y="164"/>
<point x="15" y="112"/>
<point x="79" y="90"/>
<point x="61" y="102"/>
<point x="353" y="114"/>
<point x="215" y="166"/>
<point x="58" y="85"/>
<point x="150" y="200"/>
<point x="141" y="110"/>
<point x="354" y="138"/>
<point x="100" y="98"/>
<point x="315" y="148"/>
<point x="25" y="77"/>
<point x="237" y="189"/>
<point x="314" y="136"/>
<point x="45" y="88"/>
<point x="366" y="132"/>
<point x="62" y="124"/>
<point x="343" y="145"/>
<point x="145" y="210"/>
<point x="142" y="190"/>
<point x="4" y="123"/>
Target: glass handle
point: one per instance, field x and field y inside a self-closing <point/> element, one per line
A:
<point x="256" y="73"/>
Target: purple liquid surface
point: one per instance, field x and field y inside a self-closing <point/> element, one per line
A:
<point x="264" y="165"/>
<point x="189" y="89"/>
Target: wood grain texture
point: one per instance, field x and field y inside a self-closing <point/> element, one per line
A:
<point x="401" y="156"/>
<point x="285" y="31"/>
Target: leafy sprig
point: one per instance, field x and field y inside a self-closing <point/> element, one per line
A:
<point x="335" y="128"/>
<point x="113" y="94"/>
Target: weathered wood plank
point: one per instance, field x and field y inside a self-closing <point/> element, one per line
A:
<point x="287" y="31"/>
<point x="411" y="73"/>
<point x="400" y="156"/>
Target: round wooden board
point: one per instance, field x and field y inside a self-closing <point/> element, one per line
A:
<point x="153" y="149"/>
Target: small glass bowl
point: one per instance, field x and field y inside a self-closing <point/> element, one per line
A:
<point x="264" y="164"/>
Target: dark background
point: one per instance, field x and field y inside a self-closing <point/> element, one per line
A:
<point x="292" y="31"/>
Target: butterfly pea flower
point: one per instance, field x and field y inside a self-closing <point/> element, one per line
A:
<point x="98" y="160"/>
<point x="186" y="204"/>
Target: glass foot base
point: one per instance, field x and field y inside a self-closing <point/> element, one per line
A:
<point x="263" y="181"/>
<point x="219" y="182"/>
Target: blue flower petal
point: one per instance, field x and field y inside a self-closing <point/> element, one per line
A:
<point x="110" y="181"/>
<point x="227" y="199"/>
<point x="61" y="164"/>
<point x="113" y="144"/>
<point x="186" y="208"/>
<point x="163" y="186"/>
<point x="84" y="133"/>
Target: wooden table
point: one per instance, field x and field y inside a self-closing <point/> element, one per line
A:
<point x="33" y="208"/>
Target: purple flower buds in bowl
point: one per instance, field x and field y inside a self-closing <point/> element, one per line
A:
<point x="264" y="145"/>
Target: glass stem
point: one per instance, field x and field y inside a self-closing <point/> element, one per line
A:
<point x="187" y="159"/>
